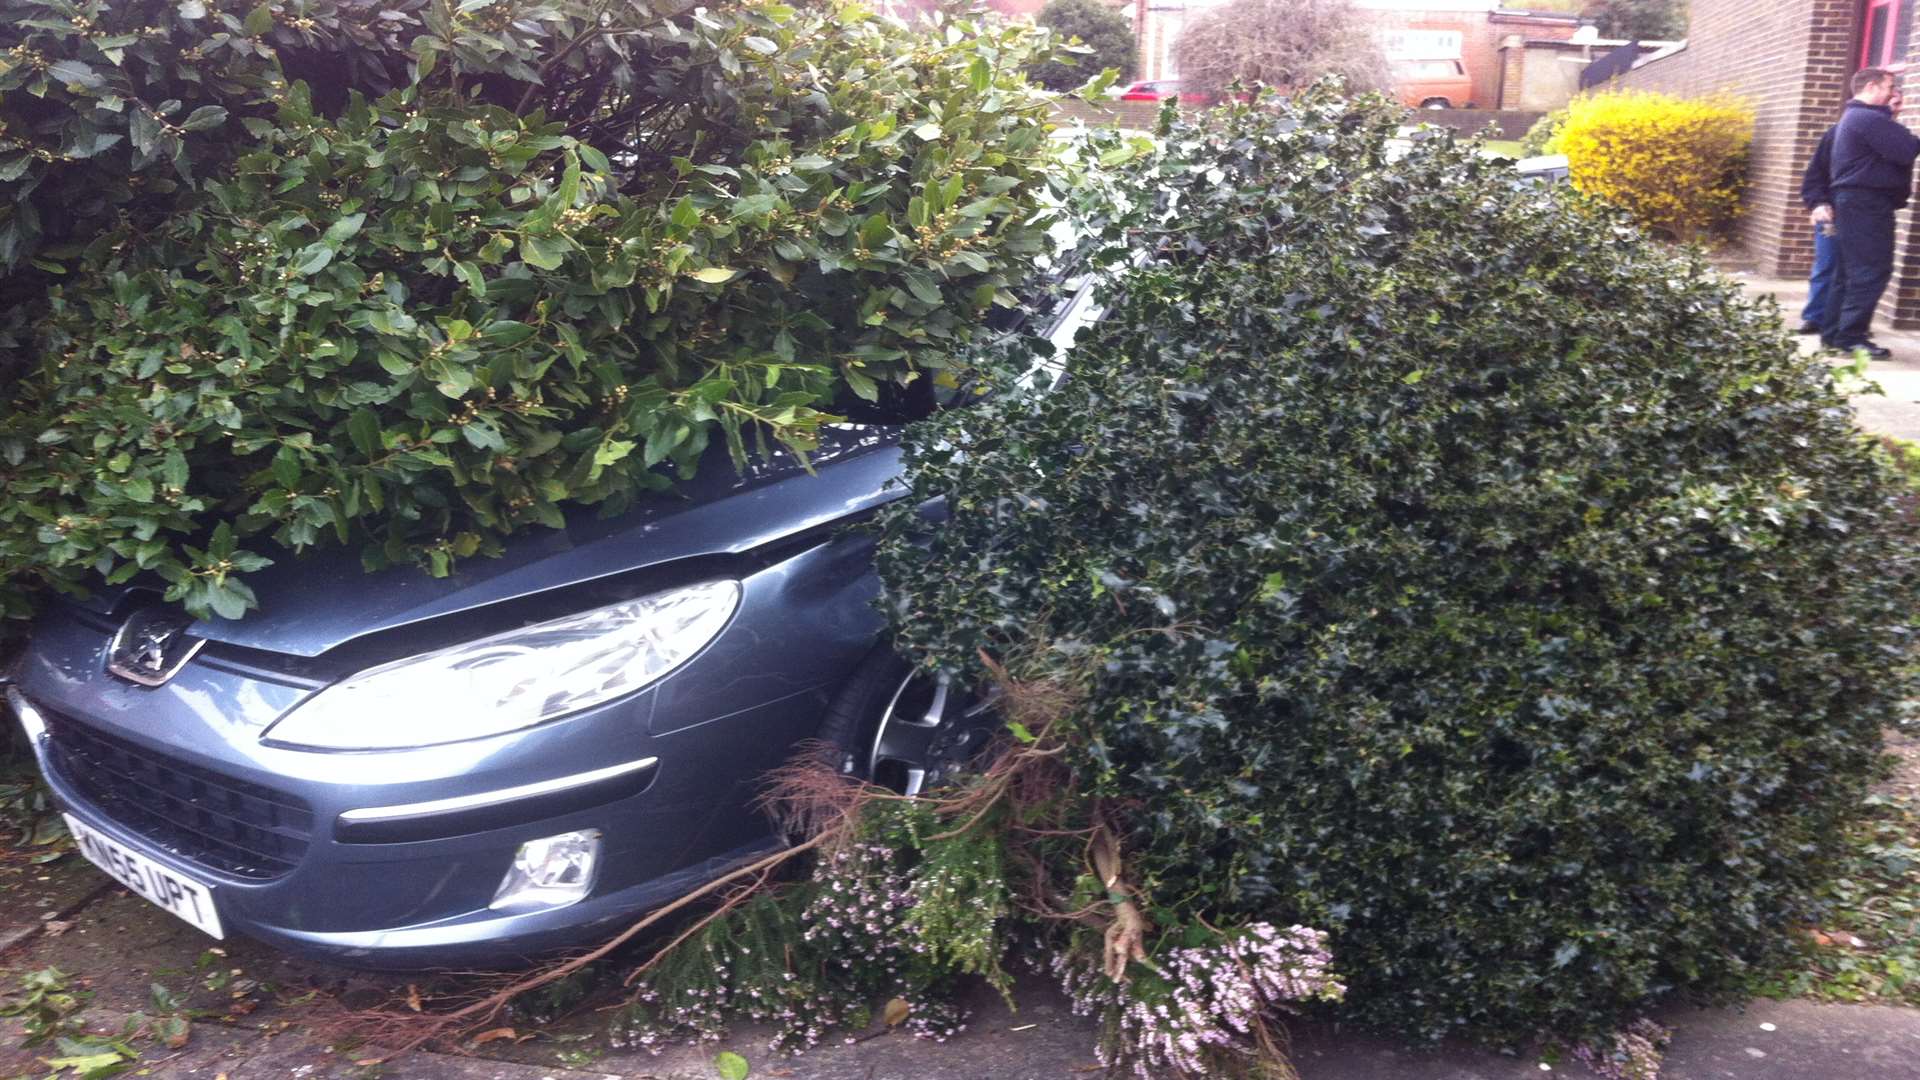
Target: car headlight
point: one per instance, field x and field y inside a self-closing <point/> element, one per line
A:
<point x="513" y="680"/>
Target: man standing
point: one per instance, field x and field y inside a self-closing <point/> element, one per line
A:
<point x="1871" y="178"/>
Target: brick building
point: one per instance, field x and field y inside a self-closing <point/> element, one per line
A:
<point x="1790" y="59"/>
<point x="1475" y="32"/>
<point x="1481" y="31"/>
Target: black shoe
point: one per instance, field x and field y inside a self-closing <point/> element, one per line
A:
<point x="1808" y="328"/>
<point x="1873" y="351"/>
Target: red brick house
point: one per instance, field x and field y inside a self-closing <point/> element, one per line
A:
<point x="1791" y="60"/>
<point x="1480" y="31"/>
<point x="1482" y="34"/>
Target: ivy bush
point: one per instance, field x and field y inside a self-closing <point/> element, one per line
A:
<point x="495" y="260"/>
<point x="1430" y="558"/>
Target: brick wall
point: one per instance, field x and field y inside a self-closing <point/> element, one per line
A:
<point x="1509" y="123"/>
<point x="1788" y="58"/>
<point x="1513" y="70"/>
<point x="1902" y="302"/>
<point x="1138" y="115"/>
<point x="1791" y="58"/>
<point x="1481" y="34"/>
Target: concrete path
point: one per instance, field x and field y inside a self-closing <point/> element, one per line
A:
<point x="1896" y="411"/>
<point x="265" y="1015"/>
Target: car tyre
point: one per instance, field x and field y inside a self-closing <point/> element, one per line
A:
<point x="896" y="725"/>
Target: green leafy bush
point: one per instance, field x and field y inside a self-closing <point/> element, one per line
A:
<point x="1433" y="559"/>
<point x="506" y="258"/>
<point x="1540" y="137"/>
<point x="1102" y="31"/>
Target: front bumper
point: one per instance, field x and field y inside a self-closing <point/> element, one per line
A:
<point x="392" y="859"/>
<point x="406" y="904"/>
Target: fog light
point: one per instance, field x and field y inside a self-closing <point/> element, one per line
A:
<point x="550" y="872"/>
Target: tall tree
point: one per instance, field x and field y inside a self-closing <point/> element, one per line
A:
<point x="1101" y="28"/>
<point x="1283" y="43"/>
<point x="1640" y="20"/>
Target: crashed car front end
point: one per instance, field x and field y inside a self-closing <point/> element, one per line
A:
<point x="402" y="772"/>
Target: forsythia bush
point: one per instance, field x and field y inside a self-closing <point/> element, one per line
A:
<point x="1678" y="165"/>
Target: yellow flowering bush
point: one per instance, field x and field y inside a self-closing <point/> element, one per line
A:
<point x="1678" y="165"/>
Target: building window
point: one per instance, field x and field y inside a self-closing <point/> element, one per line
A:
<point x="1883" y="32"/>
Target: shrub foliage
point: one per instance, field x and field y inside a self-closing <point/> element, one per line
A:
<point x="1541" y="136"/>
<point x="1434" y="560"/>
<point x="497" y="259"/>
<point x="1279" y="43"/>
<point x="1678" y="165"/>
<point x="1103" y="32"/>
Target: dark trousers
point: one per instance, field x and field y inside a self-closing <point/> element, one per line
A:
<point x="1863" y="235"/>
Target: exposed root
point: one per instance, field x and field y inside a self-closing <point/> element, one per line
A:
<point x="1125" y="940"/>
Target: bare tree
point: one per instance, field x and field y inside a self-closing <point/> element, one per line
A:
<point x="1280" y="43"/>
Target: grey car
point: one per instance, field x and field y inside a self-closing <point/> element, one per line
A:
<point x="399" y="771"/>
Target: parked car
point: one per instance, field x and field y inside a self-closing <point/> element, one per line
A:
<point x="1151" y="90"/>
<point x="1433" y="84"/>
<point x="399" y="771"/>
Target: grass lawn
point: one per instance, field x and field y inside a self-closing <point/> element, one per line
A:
<point x="1505" y="148"/>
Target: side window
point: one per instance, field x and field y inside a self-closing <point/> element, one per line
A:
<point x="1883" y="32"/>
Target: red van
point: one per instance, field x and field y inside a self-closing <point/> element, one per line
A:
<point x="1433" y="84"/>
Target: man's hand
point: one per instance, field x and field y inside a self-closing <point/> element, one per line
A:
<point x="1822" y="215"/>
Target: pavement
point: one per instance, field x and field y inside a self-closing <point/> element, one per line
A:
<point x="1895" y="411"/>
<point x="260" y="1015"/>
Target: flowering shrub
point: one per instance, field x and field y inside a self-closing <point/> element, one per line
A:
<point x="876" y="922"/>
<point x="1678" y="165"/>
<point x="1198" y="1013"/>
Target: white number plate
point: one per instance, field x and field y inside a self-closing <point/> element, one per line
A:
<point x="178" y="894"/>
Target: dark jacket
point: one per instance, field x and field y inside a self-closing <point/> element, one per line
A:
<point x="1816" y="184"/>
<point x="1873" y="152"/>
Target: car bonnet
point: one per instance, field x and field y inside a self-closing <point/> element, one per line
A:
<point x="320" y="600"/>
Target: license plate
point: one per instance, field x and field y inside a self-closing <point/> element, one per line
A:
<point x="174" y="892"/>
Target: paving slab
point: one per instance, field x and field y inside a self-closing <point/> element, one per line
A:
<point x="1896" y="409"/>
<point x="40" y="893"/>
<point x="263" y="1006"/>
<point x="240" y="1053"/>
<point x="122" y="946"/>
<point x="1794" y="1040"/>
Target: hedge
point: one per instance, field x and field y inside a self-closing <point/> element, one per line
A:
<point x="1430" y="558"/>
<point x="497" y="261"/>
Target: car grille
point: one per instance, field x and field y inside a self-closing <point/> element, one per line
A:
<point x="216" y="821"/>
